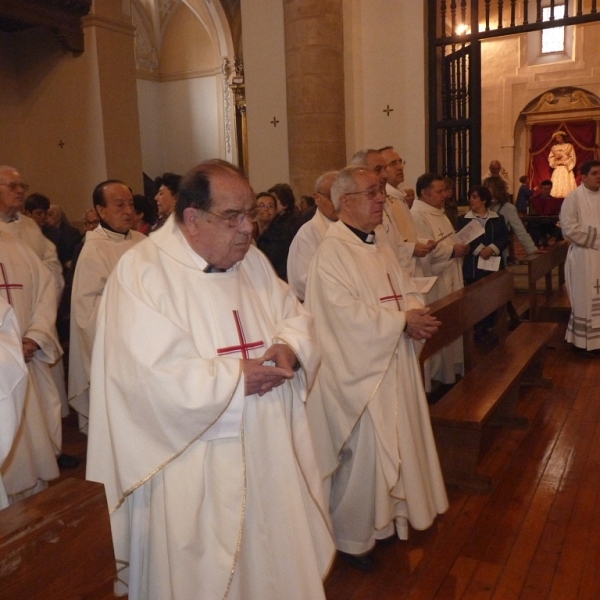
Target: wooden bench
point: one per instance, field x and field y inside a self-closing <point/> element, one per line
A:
<point x="542" y="265"/>
<point x="57" y="545"/>
<point x="489" y="390"/>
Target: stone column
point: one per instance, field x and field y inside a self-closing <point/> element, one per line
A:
<point x="314" y="58"/>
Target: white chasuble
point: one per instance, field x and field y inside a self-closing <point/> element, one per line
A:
<point x="580" y="224"/>
<point x="13" y="384"/>
<point x="370" y="380"/>
<point x="212" y="494"/>
<point x="27" y="285"/>
<point x="100" y="253"/>
<point x="433" y="224"/>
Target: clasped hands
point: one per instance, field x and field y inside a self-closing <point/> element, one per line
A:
<point x="260" y="378"/>
<point x="30" y="347"/>
<point x="420" y="325"/>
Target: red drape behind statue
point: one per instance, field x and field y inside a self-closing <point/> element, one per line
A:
<point x="582" y="134"/>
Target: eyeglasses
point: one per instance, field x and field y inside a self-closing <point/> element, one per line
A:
<point x="14" y="185"/>
<point x="235" y="219"/>
<point x="324" y="194"/>
<point x="371" y="193"/>
<point x="266" y="206"/>
<point x="396" y="163"/>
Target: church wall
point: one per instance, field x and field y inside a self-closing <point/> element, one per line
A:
<point x="52" y="96"/>
<point x="385" y="65"/>
<point x="181" y="109"/>
<point x="264" y="70"/>
<point x="510" y="82"/>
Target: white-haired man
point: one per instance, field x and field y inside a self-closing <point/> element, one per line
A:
<point x="311" y="234"/>
<point x="367" y="410"/>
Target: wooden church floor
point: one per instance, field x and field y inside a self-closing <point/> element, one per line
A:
<point x="535" y="536"/>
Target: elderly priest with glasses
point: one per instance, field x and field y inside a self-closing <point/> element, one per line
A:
<point x="197" y="427"/>
<point x="367" y="410"/>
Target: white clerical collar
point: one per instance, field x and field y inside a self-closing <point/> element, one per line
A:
<point x="6" y="219"/>
<point x="196" y="258"/>
<point x="395" y="192"/>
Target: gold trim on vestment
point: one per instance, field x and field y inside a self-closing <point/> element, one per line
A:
<point x="178" y="454"/>
<point x="243" y="515"/>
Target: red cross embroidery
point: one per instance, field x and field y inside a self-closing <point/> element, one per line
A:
<point x="243" y="346"/>
<point x="394" y="297"/>
<point x="8" y="286"/>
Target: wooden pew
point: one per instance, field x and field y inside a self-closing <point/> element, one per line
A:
<point x="542" y="265"/>
<point x="57" y="545"/>
<point x="489" y="390"/>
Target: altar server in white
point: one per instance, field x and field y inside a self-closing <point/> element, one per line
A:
<point x="198" y="429"/>
<point x="13" y="384"/>
<point x="580" y="224"/>
<point x="102" y="249"/>
<point x="26" y="284"/>
<point x="311" y="234"/>
<point x="367" y="410"/>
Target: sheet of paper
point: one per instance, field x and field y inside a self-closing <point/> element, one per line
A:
<point x="490" y="264"/>
<point x="469" y="233"/>
<point x="424" y="284"/>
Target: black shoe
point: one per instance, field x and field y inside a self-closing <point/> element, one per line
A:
<point x="67" y="462"/>
<point x="364" y="562"/>
<point x="585" y="353"/>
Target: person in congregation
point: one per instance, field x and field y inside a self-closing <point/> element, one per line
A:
<point x="62" y="234"/>
<point x="450" y="202"/>
<point x="145" y="214"/>
<point x="445" y="262"/>
<point x="497" y="170"/>
<point x="580" y="224"/>
<point x="311" y="234"/>
<point x="28" y="286"/>
<point x="490" y="243"/>
<point x="544" y="204"/>
<point x="101" y="251"/>
<point x="524" y="196"/>
<point x="502" y="205"/>
<point x="367" y="410"/>
<point x="276" y="239"/>
<point x="13" y="385"/>
<point x="267" y="209"/>
<point x="205" y="453"/>
<point x="166" y="197"/>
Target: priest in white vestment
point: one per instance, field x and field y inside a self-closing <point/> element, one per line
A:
<point x="13" y="385"/>
<point x="12" y="202"/>
<point x="311" y="234"/>
<point x="26" y="284"/>
<point x="198" y="430"/>
<point x="102" y="249"/>
<point x="580" y="224"/>
<point x="396" y="199"/>
<point x="445" y="262"/>
<point x="367" y="410"/>
<point x="387" y="230"/>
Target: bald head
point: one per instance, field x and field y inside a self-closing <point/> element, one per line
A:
<point x="12" y="191"/>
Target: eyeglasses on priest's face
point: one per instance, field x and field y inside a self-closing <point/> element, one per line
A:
<point x="236" y="218"/>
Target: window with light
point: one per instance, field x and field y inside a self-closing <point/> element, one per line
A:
<point x="553" y="40"/>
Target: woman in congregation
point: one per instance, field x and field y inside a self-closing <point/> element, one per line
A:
<point x="491" y="243"/>
<point x="502" y="205"/>
<point x="267" y="209"/>
<point x="276" y="239"/>
<point x="168" y="188"/>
